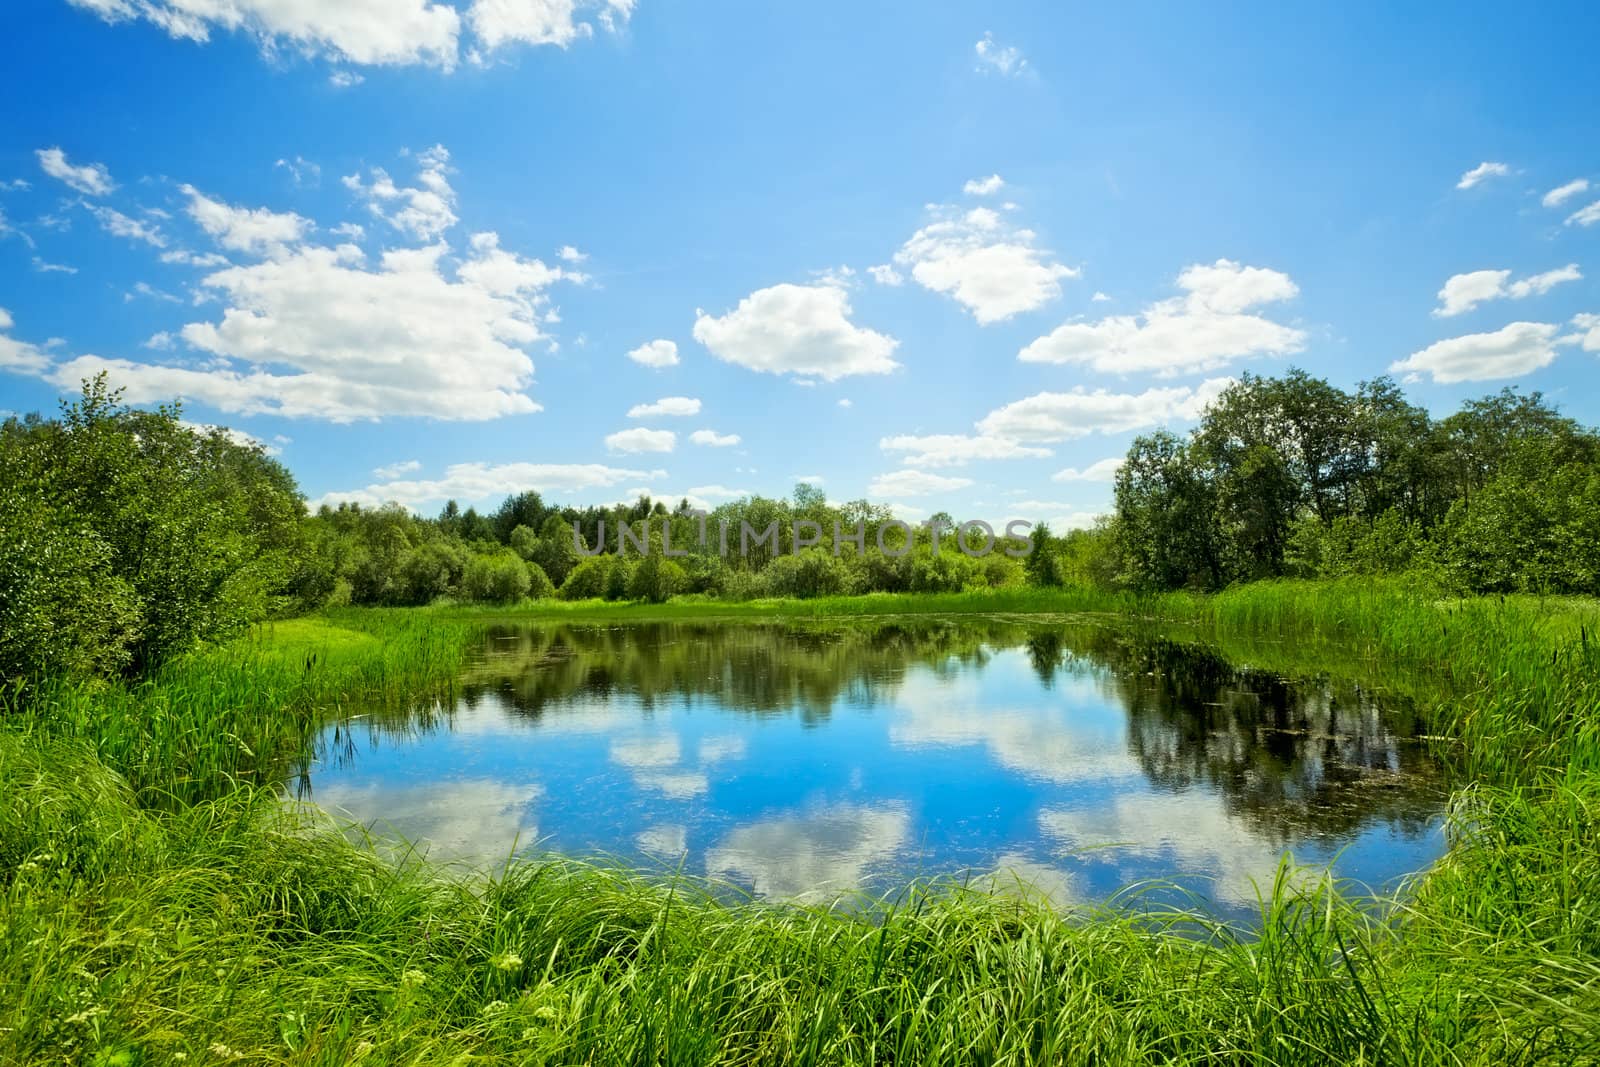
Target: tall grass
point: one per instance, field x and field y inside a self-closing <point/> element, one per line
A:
<point x="138" y="929"/>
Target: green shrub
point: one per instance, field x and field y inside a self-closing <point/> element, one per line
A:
<point x="501" y="578"/>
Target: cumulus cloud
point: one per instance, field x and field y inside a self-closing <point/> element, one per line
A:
<point x="501" y="22"/>
<point x="956" y="450"/>
<point x="1562" y="193"/>
<point x="425" y="210"/>
<point x="255" y="230"/>
<point x="796" y="329"/>
<point x="1505" y="353"/>
<point x="642" y="440"/>
<point x="995" y="58"/>
<point x="90" y="179"/>
<point x="1482" y="173"/>
<point x="1050" y="417"/>
<point x="475" y="482"/>
<point x="569" y="254"/>
<point x="1590" y="337"/>
<point x="314" y="332"/>
<point x="984" y="186"/>
<point x="373" y="32"/>
<point x="1463" y="292"/>
<point x="667" y="405"/>
<point x="885" y="274"/>
<point x="1104" y="470"/>
<point x="1211" y="324"/>
<point x="21" y="356"/>
<point x="397" y="32"/>
<point x="914" y="483"/>
<point x="656" y="354"/>
<point x="988" y="266"/>
<point x="713" y="439"/>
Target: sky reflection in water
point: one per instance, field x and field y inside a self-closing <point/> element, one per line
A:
<point x="801" y="763"/>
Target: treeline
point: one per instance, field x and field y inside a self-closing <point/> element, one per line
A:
<point x="128" y="535"/>
<point x="1293" y="477"/>
<point x="527" y="547"/>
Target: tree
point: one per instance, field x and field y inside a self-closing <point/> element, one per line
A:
<point x="1167" y="517"/>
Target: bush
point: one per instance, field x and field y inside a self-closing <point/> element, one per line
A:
<point x="589" y="580"/>
<point x="540" y="587"/>
<point x="655" y="579"/>
<point x="813" y="573"/>
<point x="500" y="578"/>
<point x="429" y="571"/>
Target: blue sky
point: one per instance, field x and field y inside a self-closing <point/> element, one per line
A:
<point x="946" y="256"/>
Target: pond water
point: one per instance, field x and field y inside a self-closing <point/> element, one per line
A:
<point x="805" y="762"/>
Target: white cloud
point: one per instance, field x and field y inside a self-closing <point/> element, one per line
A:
<point x="885" y="274"/>
<point x="656" y="354"/>
<point x="1202" y="330"/>
<point x="989" y="267"/>
<point x="667" y="405"/>
<point x="303" y="171"/>
<point x="535" y="22"/>
<point x="312" y="333"/>
<point x="984" y="186"/>
<point x="475" y="482"/>
<point x="1463" y="292"/>
<point x="956" y="450"/>
<point x="195" y="259"/>
<point x="844" y="402"/>
<point x="254" y="230"/>
<point x="1104" y="470"/>
<point x="796" y="329"/>
<point x="46" y="267"/>
<point x="1562" y="193"/>
<point x="1000" y="59"/>
<point x="117" y="224"/>
<point x="569" y="254"/>
<point x="238" y="437"/>
<point x="1515" y="349"/>
<point x="147" y="290"/>
<point x="1062" y="416"/>
<point x="1586" y="216"/>
<point x="713" y="439"/>
<point x="808" y="479"/>
<point x="914" y="483"/>
<point x="400" y="32"/>
<point x="345" y="79"/>
<point x="21" y="356"/>
<point x="1481" y="173"/>
<point x="395" y="470"/>
<point x="1099" y="297"/>
<point x="425" y="210"/>
<point x="91" y="179"/>
<point x="642" y="440"/>
<point x="1590" y="339"/>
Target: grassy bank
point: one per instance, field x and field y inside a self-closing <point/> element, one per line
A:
<point x="157" y="906"/>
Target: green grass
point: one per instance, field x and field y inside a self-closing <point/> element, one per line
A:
<point x="157" y="904"/>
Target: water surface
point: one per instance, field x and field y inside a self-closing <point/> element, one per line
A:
<point x="801" y="762"/>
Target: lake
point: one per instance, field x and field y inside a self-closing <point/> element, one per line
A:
<point x="802" y="762"/>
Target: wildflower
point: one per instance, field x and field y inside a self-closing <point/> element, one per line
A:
<point x="546" y="1012"/>
<point x="507" y="961"/>
<point x="413" y="978"/>
<point x="493" y="1008"/>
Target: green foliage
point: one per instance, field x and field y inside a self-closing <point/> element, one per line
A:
<point x="655" y="579"/>
<point x="1291" y="476"/>
<point x="589" y="580"/>
<point x="814" y="572"/>
<point x="130" y="537"/>
<point x="540" y="587"/>
<point x="496" y="578"/>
